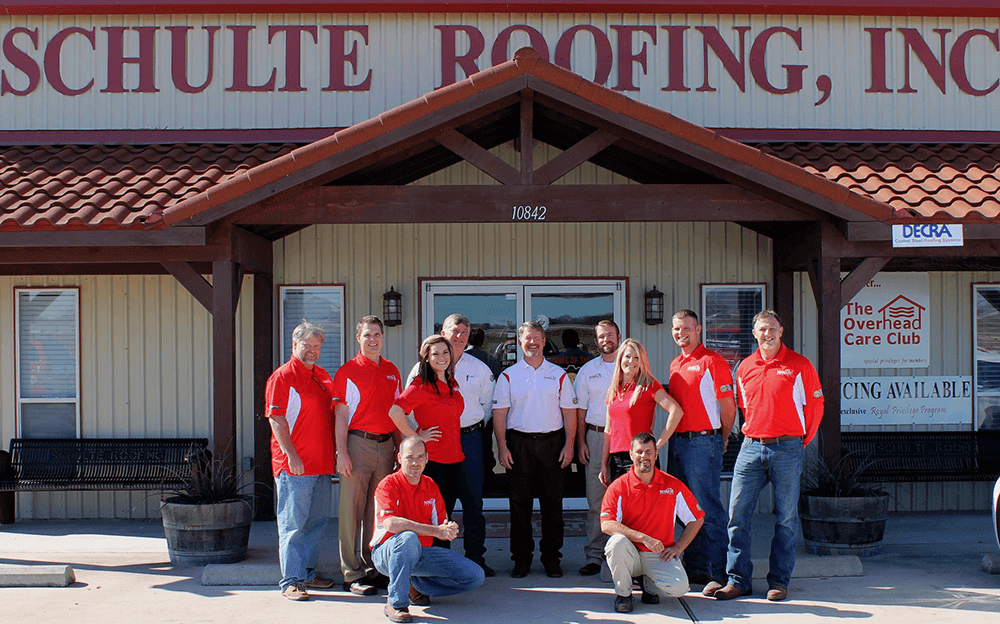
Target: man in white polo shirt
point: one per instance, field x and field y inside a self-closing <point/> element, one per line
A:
<point x="592" y="384"/>
<point x="534" y="418"/>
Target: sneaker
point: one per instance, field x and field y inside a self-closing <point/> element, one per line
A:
<point x="296" y="591"/>
<point x="553" y="570"/>
<point x="623" y="604"/>
<point x="418" y="598"/>
<point x="711" y="587"/>
<point x="318" y="582"/>
<point x="590" y="569"/>
<point x="731" y="591"/>
<point x="488" y="572"/>
<point x="776" y="593"/>
<point x="359" y="588"/>
<point x="397" y="615"/>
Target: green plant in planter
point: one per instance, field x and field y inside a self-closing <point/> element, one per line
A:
<point x="208" y="480"/>
<point x="840" y="480"/>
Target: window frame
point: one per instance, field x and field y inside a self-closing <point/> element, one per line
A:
<point x="976" y="395"/>
<point x="706" y="290"/>
<point x="285" y="341"/>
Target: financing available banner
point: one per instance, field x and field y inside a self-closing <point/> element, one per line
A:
<point x="906" y="400"/>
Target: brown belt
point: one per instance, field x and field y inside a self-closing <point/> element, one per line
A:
<point x="471" y="428"/>
<point x="697" y="434"/>
<point x="378" y="437"/>
<point x="597" y="428"/>
<point x="783" y="438"/>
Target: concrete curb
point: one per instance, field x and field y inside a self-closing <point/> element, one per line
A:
<point x="36" y="576"/>
<point x="817" y="567"/>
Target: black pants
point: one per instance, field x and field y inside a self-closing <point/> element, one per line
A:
<point x="448" y="478"/>
<point x="536" y="471"/>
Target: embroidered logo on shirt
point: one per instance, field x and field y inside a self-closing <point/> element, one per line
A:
<point x="429" y="501"/>
<point x="549" y="377"/>
<point x="817" y="394"/>
<point x="574" y="401"/>
<point x="725" y="388"/>
<point x="667" y="491"/>
<point x="784" y="371"/>
<point x="492" y="378"/>
<point x="391" y="378"/>
<point x="694" y="368"/>
<point x="595" y="376"/>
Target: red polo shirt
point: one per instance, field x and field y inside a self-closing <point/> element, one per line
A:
<point x="697" y="382"/>
<point x="624" y="420"/>
<point x="305" y="398"/>
<point x="437" y="408"/>
<point x="780" y="396"/>
<point x="397" y="497"/>
<point x="368" y="389"/>
<point x="651" y="509"/>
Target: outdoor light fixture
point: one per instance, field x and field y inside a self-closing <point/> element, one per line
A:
<point x="392" y="308"/>
<point x="654" y="307"/>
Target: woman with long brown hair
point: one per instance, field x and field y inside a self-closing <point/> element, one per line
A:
<point x="632" y="399"/>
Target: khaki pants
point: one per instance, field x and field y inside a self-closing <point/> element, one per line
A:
<point x="667" y="578"/>
<point x="372" y="462"/>
<point x="596" y="539"/>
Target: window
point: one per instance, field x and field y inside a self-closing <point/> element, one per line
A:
<point x="986" y="357"/>
<point x="47" y="342"/>
<point x="320" y="305"/>
<point x="727" y="318"/>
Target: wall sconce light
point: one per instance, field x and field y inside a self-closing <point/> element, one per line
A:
<point x="392" y="308"/>
<point x="654" y="307"/>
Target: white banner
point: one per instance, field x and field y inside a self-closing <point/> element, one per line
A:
<point x="906" y="400"/>
<point x="927" y="235"/>
<point x="885" y="324"/>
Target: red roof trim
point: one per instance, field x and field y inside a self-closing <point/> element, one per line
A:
<point x="958" y="8"/>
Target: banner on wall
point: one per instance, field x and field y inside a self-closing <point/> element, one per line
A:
<point x="886" y="324"/>
<point x="906" y="400"/>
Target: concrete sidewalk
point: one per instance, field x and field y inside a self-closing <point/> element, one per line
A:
<point x="929" y="571"/>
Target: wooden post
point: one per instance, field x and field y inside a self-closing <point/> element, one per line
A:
<point x="828" y="309"/>
<point x="225" y="290"/>
<point x="263" y="366"/>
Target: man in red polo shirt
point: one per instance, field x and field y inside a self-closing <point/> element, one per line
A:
<point x="782" y="402"/>
<point x="639" y="512"/>
<point x="701" y="382"/>
<point x="365" y="387"/>
<point x="299" y="398"/>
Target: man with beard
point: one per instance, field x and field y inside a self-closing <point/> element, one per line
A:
<point x="639" y="512"/>
<point x="591" y="393"/>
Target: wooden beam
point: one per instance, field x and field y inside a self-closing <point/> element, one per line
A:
<point x="192" y="281"/>
<point x="864" y="249"/>
<point x="479" y="157"/>
<point x="574" y="157"/>
<point x="184" y="236"/>
<point x="494" y="204"/>
<point x="113" y="254"/>
<point x="527" y="137"/>
<point x="828" y="319"/>
<point x="224" y="292"/>
<point x="251" y="252"/>
<point x="856" y="279"/>
<point x="868" y="232"/>
<point x="263" y="365"/>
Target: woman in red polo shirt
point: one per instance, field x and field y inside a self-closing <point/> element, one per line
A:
<point x="436" y="404"/>
<point x="632" y="399"/>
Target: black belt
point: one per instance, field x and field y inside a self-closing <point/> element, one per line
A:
<point x="698" y="434"/>
<point x="471" y="428"/>
<point x="526" y="434"/>
<point x="784" y="438"/>
<point x="597" y="428"/>
<point x="378" y="437"/>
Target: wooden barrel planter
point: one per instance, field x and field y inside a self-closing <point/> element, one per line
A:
<point x="846" y="525"/>
<point x="203" y="533"/>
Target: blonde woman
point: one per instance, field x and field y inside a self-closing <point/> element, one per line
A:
<point x="632" y="399"/>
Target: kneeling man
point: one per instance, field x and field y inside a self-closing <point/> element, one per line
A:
<point x="409" y="514"/>
<point x="639" y="512"/>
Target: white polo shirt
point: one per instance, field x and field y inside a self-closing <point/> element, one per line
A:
<point x="475" y="384"/>
<point x="534" y="396"/>
<point x="592" y="383"/>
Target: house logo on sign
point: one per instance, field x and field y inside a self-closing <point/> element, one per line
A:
<point x="902" y="309"/>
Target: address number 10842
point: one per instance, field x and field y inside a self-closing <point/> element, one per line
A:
<point x="528" y="213"/>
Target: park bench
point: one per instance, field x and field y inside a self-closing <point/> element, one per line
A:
<point x="925" y="455"/>
<point x="80" y="464"/>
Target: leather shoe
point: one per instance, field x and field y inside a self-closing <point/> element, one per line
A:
<point x="649" y="597"/>
<point x="397" y="615"/>
<point x="488" y="572"/>
<point x="520" y="570"/>
<point x="418" y="598"/>
<point x="590" y="569"/>
<point x="711" y="587"/>
<point x="553" y="570"/>
<point x="731" y="591"/>
<point x="623" y="604"/>
<point x="377" y="580"/>
<point x="776" y="592"/>
<point x="318" y="582"/>
<point x="359" y="588"/>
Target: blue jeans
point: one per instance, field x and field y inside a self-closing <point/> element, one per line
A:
<point x="698" y="463"/>
<point x="432" y="570"/>
<point x="303" y="510"/>
<point x="757" y="464"/>
<point x="470" y="492"/>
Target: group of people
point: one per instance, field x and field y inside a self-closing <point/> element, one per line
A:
<point x="395" y="528"/>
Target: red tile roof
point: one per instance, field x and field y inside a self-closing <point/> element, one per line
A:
<point x="942" y="182"/>
<point x="111" y="186"/>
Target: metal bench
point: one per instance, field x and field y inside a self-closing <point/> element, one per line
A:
<point x="75" y="464"/>
<point x="926" y="455"/>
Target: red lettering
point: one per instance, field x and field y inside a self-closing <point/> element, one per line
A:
<point x="912" y="40"/>
<point x="675" y="49"/>
<point x="117" y="59"/>
<point x="293" y="53"/>
<point x="179" y="56"/>
<point x="20" y="60"/>
<point x="736" y="68"/>
<point x="53" y="59"/>
<point x="602" y="46"/>
<point x="241" y="62"/>
<point x="626" y="57"/>
<point x="339" y="58"/>
<point x="758" y="68"/>
<point x="877" y="36"/>
<point x="503" y="40"/>
<point x="449" y="57"/>
<point x="956" y="60"/>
